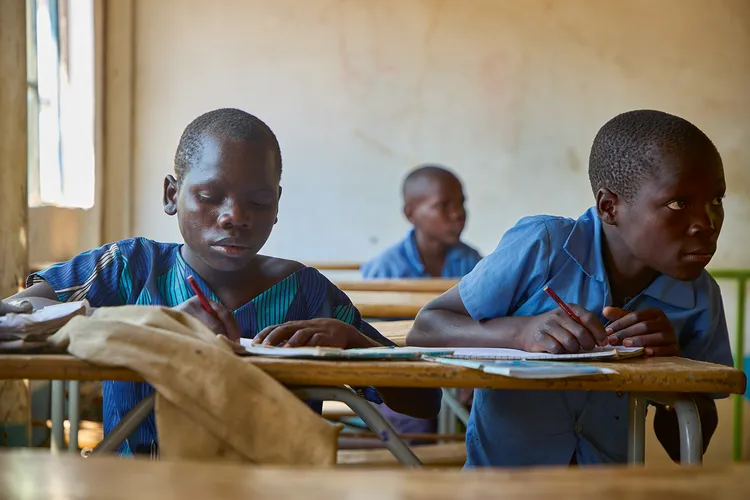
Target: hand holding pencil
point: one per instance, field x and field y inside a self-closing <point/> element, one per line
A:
<point x="214" y="315"/>
<point x="568" y="328"/>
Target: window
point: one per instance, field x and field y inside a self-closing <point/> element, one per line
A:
<point x="60" y="61"/>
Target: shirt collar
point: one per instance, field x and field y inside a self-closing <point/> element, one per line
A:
<point x="585" y="245"/>
<point x="412" y="253"/>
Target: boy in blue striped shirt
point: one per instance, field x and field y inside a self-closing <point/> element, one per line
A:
<point x="225" y="194"/>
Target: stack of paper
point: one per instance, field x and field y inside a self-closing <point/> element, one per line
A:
<point x="45" y="320"/>
<point x="598" y="354"/>
<point x="375" y="353"/>
<point x="520" y="368"/>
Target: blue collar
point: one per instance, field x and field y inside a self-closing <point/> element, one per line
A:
<point x="412" y="253"/>
<point x="585" y="246"/>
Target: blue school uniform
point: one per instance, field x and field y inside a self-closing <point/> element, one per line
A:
<point x="522" y="428"/>
<point x="402" y="260"/>
<point x="143" y="272"/>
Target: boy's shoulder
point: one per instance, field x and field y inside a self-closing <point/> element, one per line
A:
<point x="556" y="229"/>
<point x="275" y="266"/>
<point x="390" y="263"/>
<point x="466" y="249"/>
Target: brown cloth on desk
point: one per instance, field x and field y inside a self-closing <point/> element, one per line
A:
<point x="210" y="404"/>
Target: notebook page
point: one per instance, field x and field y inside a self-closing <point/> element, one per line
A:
<point x="601" y="353"/>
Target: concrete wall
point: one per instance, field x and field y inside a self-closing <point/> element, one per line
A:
<point x="508" y="93"/>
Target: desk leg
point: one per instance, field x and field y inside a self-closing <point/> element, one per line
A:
<point x="636" y="429"/>
<point x="57" y="415"/>
<point x="369" y="414"/>
<point x="691" y="433"/>
<point x="74" y="413"/>
<point x="127" y="425"/>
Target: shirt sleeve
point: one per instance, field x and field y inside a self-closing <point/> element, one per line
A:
<point x="517" y="268"/>
<point x="93" y="275"/>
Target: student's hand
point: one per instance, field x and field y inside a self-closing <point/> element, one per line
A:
<point x="226" y="324"/>
<point x="18" y="307"/>
<point x="322" y="332"/>
<point x="555" y="332"/>
<point x="649" y="328"/>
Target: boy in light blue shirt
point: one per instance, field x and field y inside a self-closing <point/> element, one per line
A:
<point x="434" y="205"/>
<point x="636" y="259"/>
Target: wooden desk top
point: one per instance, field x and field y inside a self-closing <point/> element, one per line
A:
<point x="392" y="285"/>
<point x="388" y="304"/>
<point x="334" y="266"/>
<point x="394" y="330"/>
<point x="641" y="375"/>
<point x="33" y="475"/>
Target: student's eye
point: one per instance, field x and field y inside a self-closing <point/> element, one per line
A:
<point x="206" y="198"/>
<point x="261" y="204"/>
<point x="676" y="205"/>
<point x="718" y="201"/>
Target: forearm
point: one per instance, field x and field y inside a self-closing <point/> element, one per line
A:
<point x="667" y="430"/>
<point x="441" y="328"/>
<point x="417" y="403"/>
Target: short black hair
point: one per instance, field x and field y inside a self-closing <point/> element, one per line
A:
<point x="224" y="123"/>
<point x="424" y="172"/>
<point x="630" y="148"/>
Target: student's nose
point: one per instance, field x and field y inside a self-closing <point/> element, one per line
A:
<point x="233" y="214"/>
<point x="458" y="213"/>
<point x="704" y="222"/>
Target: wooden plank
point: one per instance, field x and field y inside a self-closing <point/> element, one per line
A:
<point x="395" y="331"/>
<point x="642" y="374"/>
<point x="13" y="147"/>
<point x="335" y="266"/>
<point x="119" y="109"/>
<point x="14" y="395"/>
<point x="38" y="474"/>
<point x="390" y="304"/>
<point x="419" y="285"/>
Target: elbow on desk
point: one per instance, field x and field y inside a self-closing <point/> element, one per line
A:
<point x="419" y="335"/>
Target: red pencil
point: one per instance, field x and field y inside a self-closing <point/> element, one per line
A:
<point x="562" y="305"/>
<point x="201" y="297"/>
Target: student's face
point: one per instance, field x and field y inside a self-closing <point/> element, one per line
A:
<point x="227" y="203"/>
<point x="439" y="213"/>
<point x="673" y="224"/>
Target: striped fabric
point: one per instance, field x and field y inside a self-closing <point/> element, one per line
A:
<point x="143" y="272"/>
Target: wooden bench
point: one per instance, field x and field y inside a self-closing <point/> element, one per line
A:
<point x="431" y="455"/>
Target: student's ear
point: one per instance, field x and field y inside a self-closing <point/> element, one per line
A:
<point x="170" y="195"/>
<point x="607" y="204"/>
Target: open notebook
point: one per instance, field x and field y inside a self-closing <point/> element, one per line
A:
<point x="598" y="354"/>
<point x="527" y="369"/>
<point x="375" y="353"/>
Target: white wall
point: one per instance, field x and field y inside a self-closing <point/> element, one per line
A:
<point x="508" y="93"/>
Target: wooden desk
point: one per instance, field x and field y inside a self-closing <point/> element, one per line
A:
<point x="432" y="285"/>
<point x="390" y="304"/>
<point x="33" y="475"/>
<point x="665" y="380"/>
<point x="635" y="375"/>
